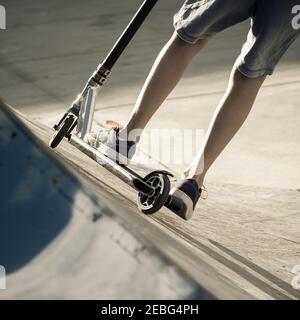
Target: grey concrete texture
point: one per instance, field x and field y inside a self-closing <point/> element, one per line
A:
<point x="61" y="240"/>
<point x="235" y="247"/>
<point x="248" y="229"/>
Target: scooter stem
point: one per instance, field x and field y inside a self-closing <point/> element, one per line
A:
<point x="128" y="33"/>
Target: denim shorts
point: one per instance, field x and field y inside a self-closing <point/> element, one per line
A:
<point x="270" y="35"/>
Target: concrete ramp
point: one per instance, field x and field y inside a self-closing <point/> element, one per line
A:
<point x="58" y="240"/>
<point x="70" y="229"/>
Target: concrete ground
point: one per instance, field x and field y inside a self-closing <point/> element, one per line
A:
<point x="51" y="220"/>
<point x="249" y="227"/>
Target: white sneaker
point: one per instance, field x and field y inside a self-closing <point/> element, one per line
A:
<point x="107" y="141"/>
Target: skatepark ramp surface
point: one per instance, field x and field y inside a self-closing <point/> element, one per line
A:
<point x="58" y="240"/>
<point x="69" y="229"/>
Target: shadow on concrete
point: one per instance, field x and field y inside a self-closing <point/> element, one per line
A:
<point x="34" y="208"/>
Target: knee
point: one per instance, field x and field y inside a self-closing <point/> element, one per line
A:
<point x="180" y="43"/>
<point x="238" y="78"/>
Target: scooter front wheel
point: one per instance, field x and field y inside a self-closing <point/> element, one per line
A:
<point x="62" y="132"/>
<point x="153" y="202"/>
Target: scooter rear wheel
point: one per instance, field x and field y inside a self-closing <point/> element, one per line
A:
<point x="150" y="204"/>
<point x="62" y="132"/>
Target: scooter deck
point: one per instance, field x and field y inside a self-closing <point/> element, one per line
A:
<point x="121" y="171"/>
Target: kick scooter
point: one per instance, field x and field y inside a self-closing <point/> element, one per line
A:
<point x="153" y="189"/>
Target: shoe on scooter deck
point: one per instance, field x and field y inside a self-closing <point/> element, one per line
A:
<point x="153" y="189"/>
<point x="181" y="200"/>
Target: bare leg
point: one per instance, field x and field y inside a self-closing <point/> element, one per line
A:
<point x="163" y="77"/>
<point x="229" y="117"/>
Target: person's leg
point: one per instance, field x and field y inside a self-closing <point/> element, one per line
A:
<point x="229" y="117"/>
<point x="163" y="77"/>
<point x="269" y="37"/>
